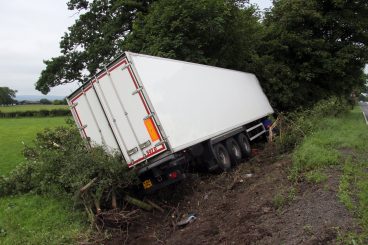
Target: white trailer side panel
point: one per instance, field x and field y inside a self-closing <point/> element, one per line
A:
<point x="196" y="102"/>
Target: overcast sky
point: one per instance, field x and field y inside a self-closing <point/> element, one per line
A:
<point x="30" y="32"/>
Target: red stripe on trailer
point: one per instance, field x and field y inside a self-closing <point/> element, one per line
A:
<point x="148" y="155"/>
<point x="79" y="95"/>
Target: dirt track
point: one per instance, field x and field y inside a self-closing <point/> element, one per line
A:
<point x="233" y="208"/>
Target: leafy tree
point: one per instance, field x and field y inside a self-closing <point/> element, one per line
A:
<point x="45" y="102"/>
<point x="7" y="96"/>
<point x="215" y="32"/>
<point x="59" y="102"/>
<point x="313" y="49"/>
<point x="92" y="41"/>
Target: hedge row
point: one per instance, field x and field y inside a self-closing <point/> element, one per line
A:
<point x="39" y="113"/>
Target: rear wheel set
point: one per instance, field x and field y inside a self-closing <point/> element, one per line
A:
<point x="232" y="151"/>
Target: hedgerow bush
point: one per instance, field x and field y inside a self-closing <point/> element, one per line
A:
<point x="300" y="123"/>
<point x="39" y="113"/>
<point x="59" y="163"/>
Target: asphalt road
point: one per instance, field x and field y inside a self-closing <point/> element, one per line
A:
<point x="364" y="107"/>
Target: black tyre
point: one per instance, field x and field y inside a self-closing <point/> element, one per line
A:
<point x="234" y="150"/>
<point x="244" y="145"/>
<point x="222" y="156"/>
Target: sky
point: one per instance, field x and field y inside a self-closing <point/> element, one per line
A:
<point x="30" y="32"/>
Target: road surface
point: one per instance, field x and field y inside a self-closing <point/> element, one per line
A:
<point x="364" y="107"/>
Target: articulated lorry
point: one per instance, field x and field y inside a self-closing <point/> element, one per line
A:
<point x="164" y="115"/>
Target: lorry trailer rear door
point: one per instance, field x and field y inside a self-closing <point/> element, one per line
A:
<point x="127" y="108"/>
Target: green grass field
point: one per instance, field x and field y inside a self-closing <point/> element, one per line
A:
<point x="30" y="218"/>
<point x="18" y="131"/>
<point x="340" y="142"/>
<point x="33" y="219"/>
<point x="31" y="107"/>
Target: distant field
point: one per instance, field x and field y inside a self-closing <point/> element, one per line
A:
<point x="31" y="107"/>
<point x="13" y="132"/>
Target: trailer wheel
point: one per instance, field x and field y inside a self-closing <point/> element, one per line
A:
<point x="244" y="145"/>
<point x="222" y="156"/>
<point x="234" y="150"/>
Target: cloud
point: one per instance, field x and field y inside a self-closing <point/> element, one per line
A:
<point x="30" y="32"/>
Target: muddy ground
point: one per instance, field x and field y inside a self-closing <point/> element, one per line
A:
<point x="255" y="203"/>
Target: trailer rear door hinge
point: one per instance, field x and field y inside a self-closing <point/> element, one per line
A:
<point x="83" y="127"/>
<point x="148" y="116"/>
<point x="125" y="66"/>
<point x="132" y="151"/>
<point x="137" y="91"/>
<point x="73" y="105"/>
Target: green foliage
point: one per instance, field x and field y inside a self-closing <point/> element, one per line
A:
<point x="45" y="102"/>
<point x="303" y="122"/>
<point x="59" y="163"/>
<point x="316" y="176"/>
<point x="92" y="41"/>
<point x="214" y="32"/>
<point x="7" y="96"/>
<point x="59" y="102"/>
<point x="302" y="51"/>
<point x="40" y="113"/>
<point x="312" y="50"/>
<point x="283" y="198"/>
<point x="17" y="108"/>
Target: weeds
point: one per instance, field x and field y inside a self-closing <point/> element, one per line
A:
<point x="283" y="198"/>
<point x="316" y="176"/>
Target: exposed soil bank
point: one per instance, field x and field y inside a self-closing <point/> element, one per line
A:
<point x="253" y="204"/>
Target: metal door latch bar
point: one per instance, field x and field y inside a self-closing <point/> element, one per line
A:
<point x="160" y="143"/>
<point x="145" y="144"/>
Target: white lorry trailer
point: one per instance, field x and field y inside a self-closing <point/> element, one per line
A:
<point x="163" y="114"/>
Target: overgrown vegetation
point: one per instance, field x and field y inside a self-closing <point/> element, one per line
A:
<point x="296" y="125"/>
<point x="59" y="164"/>
<point x="338" y="142"/>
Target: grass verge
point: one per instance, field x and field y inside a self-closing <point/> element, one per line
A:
<point x="339" y="141"/>
<point x="33" y="219"/>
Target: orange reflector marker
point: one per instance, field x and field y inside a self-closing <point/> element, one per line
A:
<point x="151" y="129"/>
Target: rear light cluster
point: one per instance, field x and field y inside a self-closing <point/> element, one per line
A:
<point x="173" y="175"/>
